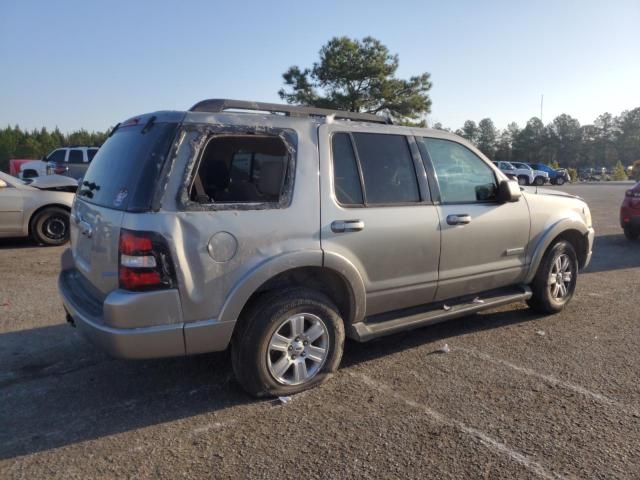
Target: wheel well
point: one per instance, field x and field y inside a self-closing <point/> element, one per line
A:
<point x="324" y="280"/>
<point x="44" y="207"/>
<point x="579" y="243"/>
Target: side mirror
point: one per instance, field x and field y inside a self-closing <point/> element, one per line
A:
<point x="508" y="191"/>
<point x="44" y="158"/>
<point x="3" y="184"/>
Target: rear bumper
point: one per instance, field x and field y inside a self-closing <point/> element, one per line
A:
<point x="630" y="218"/>
<point x="155" y="318"/>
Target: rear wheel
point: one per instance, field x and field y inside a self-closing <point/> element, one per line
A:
<point x="50" y="226"/>
<point x="631" y="234"/>
<point x="555" y="281"/>
<point x="288" y="342"/>
<point x="523" y="180"/>
<point x="539" y="181"/>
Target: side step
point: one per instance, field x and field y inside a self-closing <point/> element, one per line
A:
<point x="407" y="319"/>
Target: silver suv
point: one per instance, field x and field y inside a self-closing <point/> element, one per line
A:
<point x="279" y="230"/>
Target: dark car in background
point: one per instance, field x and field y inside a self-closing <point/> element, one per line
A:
<point x="630" y="213"/>
<point x="557" y="176"/>
<point x="71" y="161"/>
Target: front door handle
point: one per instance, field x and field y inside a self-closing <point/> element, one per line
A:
<point x="341" y="226"/>
<point x="459" y="219"/>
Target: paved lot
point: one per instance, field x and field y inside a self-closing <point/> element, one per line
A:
<point x="518" y="396"/>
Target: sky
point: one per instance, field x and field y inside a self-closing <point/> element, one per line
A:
<point x="90" y="64"/>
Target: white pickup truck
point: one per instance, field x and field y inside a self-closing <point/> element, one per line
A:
<point x="523" y="173"/>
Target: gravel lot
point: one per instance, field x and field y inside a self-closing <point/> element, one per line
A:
<point x="518" y="396"/>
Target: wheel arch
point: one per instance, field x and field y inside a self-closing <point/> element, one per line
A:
<point x="301" y="269"/>
<point x="568" y="229"/>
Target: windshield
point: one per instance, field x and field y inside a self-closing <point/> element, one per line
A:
<point x="125" y="170"/>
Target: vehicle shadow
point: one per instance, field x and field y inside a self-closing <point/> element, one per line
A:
<point x="614" y="252"/>
<point x="58" y="390"/>
<point x="19" y="242"/>
<point x="356" y="353"/>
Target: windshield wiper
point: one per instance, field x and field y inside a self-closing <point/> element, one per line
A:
<point x="148" y="125"/>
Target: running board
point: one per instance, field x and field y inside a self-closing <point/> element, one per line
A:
<point x="389" y="323"/>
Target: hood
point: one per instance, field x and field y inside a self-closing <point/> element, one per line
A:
<point x="55" y="182"/>
<point x="548" y="191"/>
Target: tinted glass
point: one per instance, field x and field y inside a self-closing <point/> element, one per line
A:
<point x="125" y="170"/>
<point x="387" y="168"/>
<point x="462" y="175"/>
<point x="91" y="153"/>
<point x="345" y="171"/>
<point x="75" y="156"/>
<point x="57" y="156"/>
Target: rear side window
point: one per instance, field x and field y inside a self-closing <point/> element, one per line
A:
<point x="345" y="171"/>
<point x="91" y="153"/>
<point x="125" y="170"/>
<point x="75" y="156"/>
<point x="380" y="163"/>
<point x="57" y="156"/>
<point x="463" y="177"/>
<point x="241" y="169"/>
<point x="387" y="168"/>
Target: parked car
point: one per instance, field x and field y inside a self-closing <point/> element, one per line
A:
<point x="278" y="234"/>
<point x="630" y="213"/>
<point x="557" y="176"/>
<point x="525" y="176"/>
<point x="15" y="163"/>
<point x="32" y="169"/>
<point x="40" y="210"/>
<point x="540" y="177"/>
<point x="71" y="161"/>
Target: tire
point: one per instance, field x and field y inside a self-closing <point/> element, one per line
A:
<point x="560" y="181"/>
<point x="539" y="181"/>
<point x="522" y="180"/>
<point x="50" y="226"/>
<point x="631" y="234"/>
<point x="549" y="298"/>
<point x="267" y="365"/>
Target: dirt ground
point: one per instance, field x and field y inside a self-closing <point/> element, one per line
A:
<point x="518" y="396"/>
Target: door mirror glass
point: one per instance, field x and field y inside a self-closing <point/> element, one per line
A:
<point x="509" y="191"/>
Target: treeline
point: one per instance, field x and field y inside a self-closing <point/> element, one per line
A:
<point x="18" y="143"/>
<point x="604" y="143"/>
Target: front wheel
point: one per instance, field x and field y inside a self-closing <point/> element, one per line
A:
<point x="560" y="181"/>
<point x="631" y="234"/>
<point x="555" y="281"/>
<point x="522" y="180"/>
<point x="539" y="181"/>
<point x="51" y="226"/>
<point x="287" y="342"/>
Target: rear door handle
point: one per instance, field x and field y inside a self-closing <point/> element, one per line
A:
<point x="341" y="226"/>
<point x="459" y="219"/>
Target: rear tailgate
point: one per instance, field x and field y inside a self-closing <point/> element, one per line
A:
<point x="121" y="179"/>
<point x="95" y="233"/>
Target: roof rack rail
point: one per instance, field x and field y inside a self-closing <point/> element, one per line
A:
<point x="217" y="105"/>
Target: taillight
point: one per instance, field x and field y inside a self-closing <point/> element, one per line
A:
<point x="145" y="261"/>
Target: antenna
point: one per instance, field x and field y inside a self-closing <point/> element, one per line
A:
<point x="541" y="106"/>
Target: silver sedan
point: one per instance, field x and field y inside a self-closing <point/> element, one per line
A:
<point x="40" y="209"/>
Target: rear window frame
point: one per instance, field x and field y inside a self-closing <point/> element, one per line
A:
<point x="158" y="183"/>
<point x="198" y="146"/>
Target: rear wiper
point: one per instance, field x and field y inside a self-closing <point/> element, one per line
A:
<point x="113" y="130"/>
<point x="148" y="125"/>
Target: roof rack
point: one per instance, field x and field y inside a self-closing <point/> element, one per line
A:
<point x="217" y="105"/>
